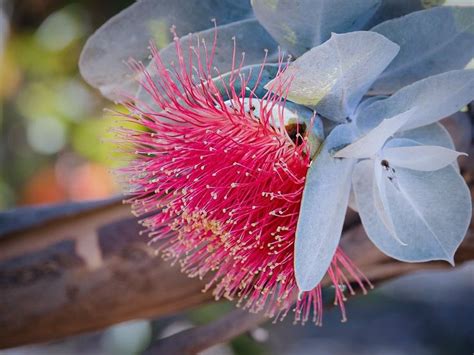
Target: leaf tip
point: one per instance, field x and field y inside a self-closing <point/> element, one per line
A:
<point x="450" y="260"/>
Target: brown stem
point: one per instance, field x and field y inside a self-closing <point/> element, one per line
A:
<point x="191" y="341"/>
<point x="82" y="272"/>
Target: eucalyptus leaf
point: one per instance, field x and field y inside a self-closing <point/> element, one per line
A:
<point x="421" y="157"/>
<point x="300" y="25"/>
<point x="369" y="144"/>
<point x="430" y="212"/>
<point x="352" y="202"/>
<point x="433" y="134"/>
<point x="322" y="212"/>
<point x="390" y="9"/>
<point x="431" y="99"/>
<point x="431" y="42"/>
<point x="128" y="34"/>
<point x="380" y="198"/>
<point x="247" y="48"/>
<point x="370" y="203"/>
<point x="366" y="102"/>
<point x="334" y="76"/>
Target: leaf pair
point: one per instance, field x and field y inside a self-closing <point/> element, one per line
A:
<point x="413" y="203"/>
<point x="439" y="39"/>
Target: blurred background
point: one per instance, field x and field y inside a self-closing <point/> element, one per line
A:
<point x="55" y="145"/>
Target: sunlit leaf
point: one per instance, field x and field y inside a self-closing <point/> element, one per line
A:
<point x="334" y="76"/>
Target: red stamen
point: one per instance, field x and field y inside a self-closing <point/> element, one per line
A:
<point x="222" y="187"/>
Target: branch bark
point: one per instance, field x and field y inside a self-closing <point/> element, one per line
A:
<point x="83" y="272"/>
<point x="194" y="340"/>
<point x="81" y="267"/>
<point x="90" y="269"/>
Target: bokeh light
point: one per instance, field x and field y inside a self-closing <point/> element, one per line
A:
<point x="55" y="139"/>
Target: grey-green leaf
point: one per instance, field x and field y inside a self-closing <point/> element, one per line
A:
<point x="433" y="134"/>
<point x="299" y="25"/>
<point x="323" y="208"/>
<point x="389" y="9"/>
<point x="431" y="99"/>
<point x="250" y="38"/>
<point x="334" y="76"/>
<point x="368" y="145"/>
<point x="128" y="34"/>
<point x="431" y="42"/>
<point x="422" y="157"/>
<point x="430" y="212"/>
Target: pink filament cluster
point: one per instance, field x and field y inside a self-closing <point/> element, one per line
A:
<point x="220" y="185"/>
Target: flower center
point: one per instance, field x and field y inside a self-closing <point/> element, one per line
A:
<point x="296" y="120"/>
<point x="296" y="132"/>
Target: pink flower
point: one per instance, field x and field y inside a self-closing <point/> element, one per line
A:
<point x="218" y="176"/>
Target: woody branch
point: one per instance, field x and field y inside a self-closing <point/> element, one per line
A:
<point x="82" y="267"/>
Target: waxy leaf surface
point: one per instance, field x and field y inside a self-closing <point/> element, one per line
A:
<point x="431" y="42"/>
<point x="334" y="76"/>
<point x="421" y="157"/>
<point x="430" y="100"/>
<point x="322" y="212"/>
<point x="429" y="211"/>
<point x="299" y="25"/>
<point x="128" y="34"/>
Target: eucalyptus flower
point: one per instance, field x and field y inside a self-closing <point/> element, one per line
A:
<point x="218" y="173"/>
<point x="231" y="170"/>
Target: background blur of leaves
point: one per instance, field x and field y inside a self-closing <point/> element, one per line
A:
<point x="55" y="140"/>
